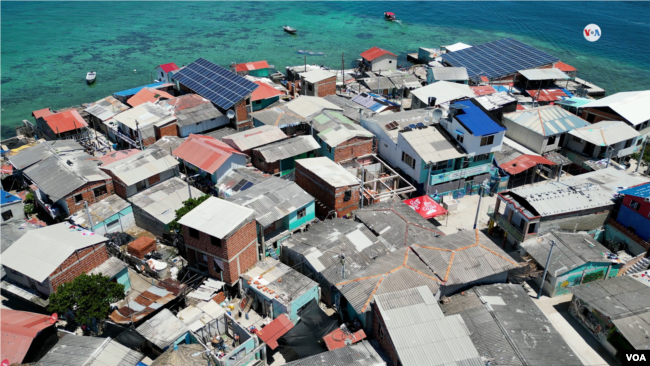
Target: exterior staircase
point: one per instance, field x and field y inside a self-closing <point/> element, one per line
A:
<point x="640" y="266"/>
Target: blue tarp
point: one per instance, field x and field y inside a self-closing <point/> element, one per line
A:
<point x="640" y="191"/>
<point x="477" y="121"/>
<point x="6" y="197"/>
<point x="134" y="91"/>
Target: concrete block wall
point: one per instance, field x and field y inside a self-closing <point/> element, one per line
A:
<point x="88" y="195"/>
<point x="332" y="198"/>
<point x="326" y="87"/>
<point x="81" y="261"/>
<point x="353" y="148"/>
<point x="260" y="163"/>
<point x="384" y="339"/>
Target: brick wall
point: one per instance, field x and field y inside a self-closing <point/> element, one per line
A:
<point x="153" y="179"/>
<point x="118" y="185"/>
<point x="261" y="164"/>
<point x="241" y="111"/>
<point x="82" y="261"/>
<point x="148" y="141"/>
<point x="600" y="115"/>
<point x="228" y="250"/>
<point x="327" y="87"/>
<point x="384" y="341"/>
<point x="88" y="195"/>
<point x="331" y="198"/>
<point x="168" y="130"/>
<point x="353" y="148"/>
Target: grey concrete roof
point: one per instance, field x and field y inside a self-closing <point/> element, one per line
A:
<point x="142" y="165"/>
<point x="422" y="334"/>
<point x="358" y="354"/>
<point x="285" y="282"/>
<point x="162" y="200"/>
<point x="163" y="329"/>
<point x="101" y="210"/>
<point x="571" y="250"/>
<point x="44" y="150"/>
<point x="72" y="350"/>
<point x="443" y="91"/>
<point x="544" y="74"/>
<point x="507" y="327"/>
<point x="278" y="116"/>
<point x="433" y="145"/>
<point x="14" y="230"/>
<point x="624" y="300"/>
<point x="332" y="173"/>
<point x="110" y="268"/>
<point x="350" y="108"/>
<point x="272" y="199"/>
<point x="288" y="148"/>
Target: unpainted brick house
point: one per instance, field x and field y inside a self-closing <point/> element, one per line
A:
<point x="318" y="83"/>
<point x="221" y="238"/>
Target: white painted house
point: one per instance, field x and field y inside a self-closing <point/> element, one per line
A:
<point x="164" y="72"/>
<point x="379" y="59"/>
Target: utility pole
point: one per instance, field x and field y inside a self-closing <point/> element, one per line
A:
<point x="401" y="102"/>
<point x="548" y="260"/>
<point x="610" y="156"/>
<point x="137" y="127"/>
<point x="342" y="256"/>
<point x="638" y="163"/>
<point x="480" y="196"/>
<point x="90" y="220"/>
<point x="342" y="68"/>
<point x="379" y="83"/>
<point x="559" y="171"/>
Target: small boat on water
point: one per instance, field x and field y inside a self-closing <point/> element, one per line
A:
<point x="90" y="77"/>
<point x="390" y="16"/>
<point x="288" y="29"/>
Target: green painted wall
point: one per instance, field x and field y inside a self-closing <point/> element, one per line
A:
<point x="263" y="73"/>
<point x="264" y="103"/>
<point x="124" y="212"/>
<point x="586" y="273"/>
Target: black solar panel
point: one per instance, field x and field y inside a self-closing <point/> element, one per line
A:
<point x="239" y="185"/>
<point x="222" y="87"/>
<point x="498" y="58"/>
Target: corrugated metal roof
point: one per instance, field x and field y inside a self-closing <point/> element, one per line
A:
<point x="421" y="333"/>
<point x="642" y="191"/>
<point x="633" y="105"/>
<point x="141" y="166"/>
<point x="217" y="217"/>
<point x="432" y="145"/>
<point x="334" y="128"/>
<point x="495" y="100"/>
<point x="547" y="121"/>
<point x="237" y="179"/>
<point x="256" y="137"/>
<point x="162" y="200"/>
<point x="360" y="354"/>
<point x="163" y="329"/>
<point x="146" y="114"/>
<point x="33" y="154"/>
<point x="169" y="143"/>
<point x="449" y="73"/>
<point x="205" y="152"/>
<point x="101" y="210"/>
<point x="14" y="230"/>
<point x="288" y="148"/>
<point x="72" y="350"/>
<point x="544" y="74"/>
<point x="110" y="268"/>
<point x="40" y="252"/>
<point x="277" y="116"/>
<point x="443" y="91"/>
<point x="196" y="317"/>
<point x="350" y="108"/>
<point x="202" y="112"/>
<point x="476" y="121"/>
<point x="19" y="328"/>
<point x="508" y="328"/>
<point x="332" y="173"/>
<point x="306" y="106"/>
<point x="272" y="199"/>
<point x="375" y="52"/>
<point x="278" y="281"/>
<point x="126" y="93"/>
<point x="106" y="108"/>
<point x="605" y="133"/>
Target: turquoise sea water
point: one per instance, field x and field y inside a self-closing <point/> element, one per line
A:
<point x="47" y="47"/>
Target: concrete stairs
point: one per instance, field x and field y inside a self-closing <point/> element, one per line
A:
<point x="640" y="266"/>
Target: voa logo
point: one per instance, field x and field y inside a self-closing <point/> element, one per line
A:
<point x="636" y="358"/>
<point x="592" y="32"/>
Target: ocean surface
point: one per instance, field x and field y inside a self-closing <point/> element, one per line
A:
<point x="47" y="47"/>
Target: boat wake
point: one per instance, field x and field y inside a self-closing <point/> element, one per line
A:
<point x="311" y="53"/>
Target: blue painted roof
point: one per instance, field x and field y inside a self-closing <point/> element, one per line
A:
<point x="6" y="197"/>
<point x="476" y="121"/>
<point x="134" y="91"/>
<point x="640" y="191"/>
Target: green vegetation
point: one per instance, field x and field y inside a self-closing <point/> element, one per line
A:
<point x="188" y="206"/>
<point x="87" y="296"/>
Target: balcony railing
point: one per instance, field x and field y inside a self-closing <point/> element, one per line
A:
<point x="516" y="232"/>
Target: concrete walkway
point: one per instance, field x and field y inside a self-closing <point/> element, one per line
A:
<point x="585" y="345"/>
<point x="463" y="217"/>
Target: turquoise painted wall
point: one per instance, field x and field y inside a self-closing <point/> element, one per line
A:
<point x="262" y="73"/>
<point x="279" y="309"/>
<point x="124" y="212"/>
<point x="264" y="103"/>
<point x="312" y="294"/>
<point x="586" y="273"/>
<point x="323" y="147"/>
<point x="292" y="221"/>
<point x="123" y="278"/>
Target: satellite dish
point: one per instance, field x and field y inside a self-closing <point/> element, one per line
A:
<point x="437" y="113"/>
<point x="230" y="114"/>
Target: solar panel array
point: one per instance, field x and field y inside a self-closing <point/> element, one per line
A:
<point x="222" y="87"/>
<point x="498" y="58"/>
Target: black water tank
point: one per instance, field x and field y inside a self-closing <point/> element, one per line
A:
<point x="432" y="101"/>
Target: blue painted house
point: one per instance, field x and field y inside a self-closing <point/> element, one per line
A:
<point x="278" y="289"/>
<point x="108" y="215"/>
<point x="635" y="211"/>
<point x="281" y="207"/>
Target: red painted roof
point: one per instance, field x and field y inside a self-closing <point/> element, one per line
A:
<point x="65" y="121"/>
<point x="187" y="101"/>
<point x="426" y="207"/>
<point x="256" y="65"/>
<point x="147" y="95"/>
<point x="19" y="328"/>
<point x="168" y="67"/>
<point x="274" y="330"/>
<point x="547" y="95"/>
<point x="523" y="163"/>
<point x="483" y="90"/>
<point x="7" y="169"/>
<point x="520" y="107"/>
<point x="205" y="152"/>
<point x="117" y="156"/>
<point x="42" y="113"/>
<point x="265" y="91"/>
<point x="485" y="79"/>
<point x="564" y="67"/>
<point x="375" y="52"/>
<point x="336" y="339"/>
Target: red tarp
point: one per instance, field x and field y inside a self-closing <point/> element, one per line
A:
<point x="426" y="207"/>
<point x="276" y="329"/>
<point x="523" y="163"/>
<point x="336" y="339"/>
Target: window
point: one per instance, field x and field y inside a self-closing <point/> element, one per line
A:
<point x="7" y="215"/>
<point x="194" y="233"/>
<point x="460" y="138"/>
<point x="112" y="224"/>
<point x="329" y="149"/>
<point x="162" y="74"/>
<point x="381" y="332"/>
<point x="551" y="141"/>
<point x="639" y="142"/>
<point x="258" y="101"/>
<point x="487" y="140"/>
<point x="439" y="165"/>
<point x="481" y="157"/>
<point x="576" y="139"/>
<point x="78" y="198"/>
<point x="302" y="212"/>
<point x="628" y="143"/>
<point x="215" y="241"/>
<point x="141" y="185"/>
<point x="217" y="265"/>
<point x="100" y="191"/>
<point x="347" y="196"/>
<point x="310" y="86"/>
<point x="635" y="205"/>
<point x="390" y="61"/>
<point x="406" y="158"/>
